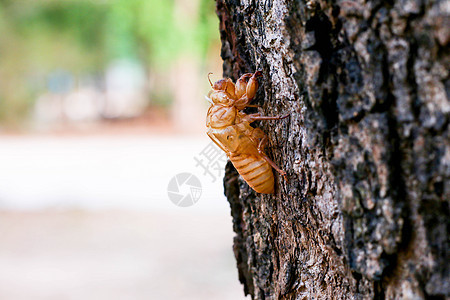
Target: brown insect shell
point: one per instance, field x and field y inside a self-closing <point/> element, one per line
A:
<point x="225" y="85"/>
<point x="243" y="126"/>
<point x="241" y="85"/>
<point x="252" y="88"/>
<point x="238" y="139"/>
<point x="222" y="97"/>
<point x="220" y="116"/>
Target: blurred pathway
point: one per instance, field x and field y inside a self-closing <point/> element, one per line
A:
<point x="97" y="172"/>
<point x="89" y="218"/>
<point x="116" y="255"/>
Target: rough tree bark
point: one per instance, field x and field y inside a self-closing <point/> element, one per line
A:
<point x="365" y="213"/>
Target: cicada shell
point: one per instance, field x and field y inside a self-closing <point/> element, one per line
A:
<point x="229" y="127"/>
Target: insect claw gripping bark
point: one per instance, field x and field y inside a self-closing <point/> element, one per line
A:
<point x="229" y="127"/>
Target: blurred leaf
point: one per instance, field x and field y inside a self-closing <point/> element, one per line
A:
<point x="84" y="36"/>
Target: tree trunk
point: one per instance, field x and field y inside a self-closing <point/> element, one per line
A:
<point x="365" y="213"/>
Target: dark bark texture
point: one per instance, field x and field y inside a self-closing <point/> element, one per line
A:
<point x="365" y="213"/>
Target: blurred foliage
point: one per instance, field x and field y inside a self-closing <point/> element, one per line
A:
<point x="83" y="36"/>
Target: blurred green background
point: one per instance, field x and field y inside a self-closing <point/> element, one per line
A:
<point x="58" y="47"/>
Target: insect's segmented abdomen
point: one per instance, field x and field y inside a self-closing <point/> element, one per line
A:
<point x="256" y="172"/>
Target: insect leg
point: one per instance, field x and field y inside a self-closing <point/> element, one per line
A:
<point x="218" y="143"/>
<point x="255" y="117"/>
<point x="248" y="87"/>
<point x="241" y="84"/>
<point x="252" y="85"/>
<point x="243" y="102"/>
<point x="258" y="133"/>
<point x="262" y="144"/>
